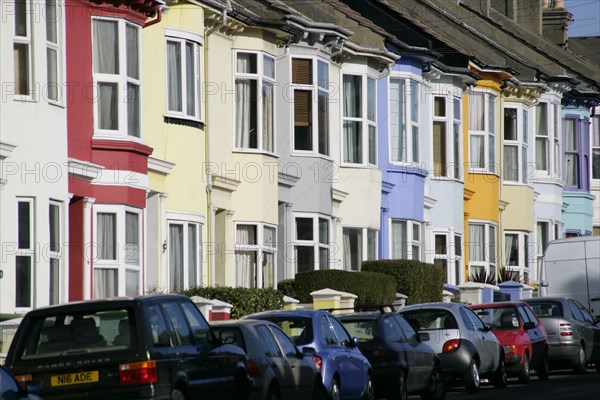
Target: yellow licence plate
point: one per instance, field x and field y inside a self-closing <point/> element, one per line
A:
<point x="74" y="379"/>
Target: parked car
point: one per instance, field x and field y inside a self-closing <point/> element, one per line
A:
<point x="467" y="348"/>
<point x="345" y="370"/>
<point x="277" y="368"/>
<point x="401" y="363"/>
<point x="573" y="335"/>
<point x="10" y="388"/>
<point x="521" y="335"/>
<point x="146" y="347"/>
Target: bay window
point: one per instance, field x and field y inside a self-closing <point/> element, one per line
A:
<point x="359" y="244"/>
<point x="185" y="256"/>
<point x="446" y="137"/>
<point x="516" y="252"/>
<point x="359" y="120"/>
<point x="116" y="72"/>
<point x="571" y="152"/>
<point x="515" y="145"/>
<point x="448" y="256"/>
<point x="255" y="252"/>
<point x="404" y="120"/>
<point x="406" y="241"/>
<point x="183" y="75"/>
<point x="25" y="254"/>
<point x="547" y="138"/>
<point x="482" y="248"/>
<point x="254" y="101"/>
<point x="311" y="134"/>
<point x="482" y="136"/>
<point x="312" y="243"/>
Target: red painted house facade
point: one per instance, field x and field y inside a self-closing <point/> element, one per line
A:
<point x="108" y="160"/>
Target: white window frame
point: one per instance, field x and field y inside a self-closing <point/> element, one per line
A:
<point x="552" y="139"/>
<point x="316" y="89"/>
<point x="452" y="136"/>
<point x="121" y="80"/>
<point x="523" y="253"/>
<point x="453" y="255"/>
<point x="364" y="246"/>
<point x="261" y="248"/>
<point x="27" y="94"/>
<point x="184" y="38"/>
<point x="185" y="221"/>
<point x="261" y="79"/>
<point x="488" y="263"/>
<point x="366" y="124"/>
<point x="410" y="98"/>
<point x="315" y="243"/>
<point x="573" y="152"/>
<point x="29" y="251"/>
<point x="595" y="130"/>
<point x="520" y="143"/>
<point x="54" y="46"/>
<point x="55" y="255"/>
<point x="488" y="133"/>
<point x="411" y="241"/>
<point x="119" y="264"/>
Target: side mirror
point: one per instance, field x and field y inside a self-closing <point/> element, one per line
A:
<point x="423" y="337"/>
<point x="528" y="325"/>
<point x="308" y="351"/>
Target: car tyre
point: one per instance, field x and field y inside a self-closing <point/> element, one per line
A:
<point x="524" y="372"/>
<point x="500" y="377"/>
<point x="579" y="367"/>
<point x="401" y="390"/>
<point x="177" y="394"/>
<point x="471" y="378"/>
<point x="437" y="386"/>
<point x="334" y="393"/>
<point x="543" y="371"/>
<point x="369" y="390"/>
<point x="273" y="392"/>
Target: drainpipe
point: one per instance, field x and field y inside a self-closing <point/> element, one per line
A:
<point x="158" y="18"/>
<point x="207" y="152"/>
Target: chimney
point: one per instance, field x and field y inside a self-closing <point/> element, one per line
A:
<point x="555" y="22"/>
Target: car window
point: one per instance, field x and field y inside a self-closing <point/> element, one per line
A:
<point x="466" y="315"/>
<point x="266" y="337"/>
<point x="327" y="335"/>
<point x="363" y="330"/>
<point x="547" y="308"/>
<point x="343" y="338"/>
<point x="200" y="328"/>
<point x="284" y="341"/>
<point x="392" y="331"/>
<point x="157" y="326"/>
<point x="230" y="335"/>
<point x="586" y="315"/>
<point x="499" y="318"/>
<point x="524" y="315"/>
<point x="183" y="335"/>
<point x="531" y="315"/>
<point x="408" y="333"/>
<point x="575" y="311"/>
<point x="299" y="329"/>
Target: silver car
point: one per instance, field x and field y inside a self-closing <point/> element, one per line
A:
<point x="573" y="335"/>
<point x="467" y="348"/>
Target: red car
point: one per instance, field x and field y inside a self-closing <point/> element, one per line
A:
<point x="521" y="335"/>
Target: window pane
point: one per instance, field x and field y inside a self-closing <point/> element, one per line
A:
<point x="246" y="63"/>
<point x="52" y="74"/>
<point x="131" y="36"/>
<point x="371" y="244"/>
<point x="511" y="249"/>
<point x="323" y="258"/>
<point x="416" y="232"/>
<point x="457" y="109"/>
<point x="510" y="124"/>
<point x="399" y="240"/>
<point x="302" y="71"/>
<point x="174" y="76"/>
<point x="246" y="113"/>
<point x="439" y="149"/>
<point x="190" y="79"/>
<point x="106" y="47"/>
<point x="304" y="228"/>
<point x="476" y="243"/>
<point x="246" y="268"/>
<point x="20" y="18"/>
<point x="491" y="113"/>
<point x="476" y="151"/>
<point x="54" y="284"/>
<point x="132" y="283"/>
<point x="51" y="19"/>
<point x="267" y="116"/>
<point x="23" y="281"/>
<point x="457" y="245"/>
<point x="21" y="60"/>
<point x="492" y="244"/>
<point x="323" y="77"/>
<point x="525" y="126"/>
<point x="476" y="112"/>
<point x="441" y="244"/>
<point x="246" y="234"/>
<point x="176" y="257"/>
<point x="352" y="142"/>
<point x="303" y="139"/>
<point x="457" y="152"/>
<point x="596" y="163"/>
<point x="415" y="143"/>
<point x="352" y="96"/>
<point x="571" y="169"/>
<point x="323" y="231"/>
<point x="268" y="270"/>
<point x="178" y="322"/>
<point x="570" y="135"/>
<point x="414" y="101"/>
<point x="107" y="240"/>
<point x="106" y="283"/>
<point x="352" y="248"/>
<point x="372" y="145"/>
<point x="270" y="240"/>
<point x="397" y="120"/>
<point x="492" y="153"/>
<point x="541" y="119"/>
<point x="108" y="107"/>
<point x="511" y="163"/>
<point x="524" y="165"/>
<point x="439" y="107"/>
<point x="24" y="229"/>
<point x="192" y="255"/>
<point x="268" y="66"/>
<point x="133" y="110"/>
<point x="323" y="116"/>
<point x="54" y="223"/>
<point x="541" y="154"/>
<point x="371" y="99"/>
<point x="305" y="258"/>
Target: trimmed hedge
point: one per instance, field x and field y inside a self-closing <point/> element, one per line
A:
<point x="421" y="282"/>
<point x="371" y="288"/>
<point x="288" y="288"/>
<point x="244" y="301"/>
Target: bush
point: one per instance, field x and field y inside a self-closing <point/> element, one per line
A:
<point x="372" y="289"/>
<point x="421" y="282"/>
<point x="244" y="301"/>
<point x="288" y="288"/>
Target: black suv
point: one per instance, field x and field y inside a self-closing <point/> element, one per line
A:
<point x="147" y="347"/>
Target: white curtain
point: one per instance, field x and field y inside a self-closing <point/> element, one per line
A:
<point x="571" y="169"/>
<point x="246" y="268"/>
<point x="397" y="120"/>
<point x="268" y="270"/>
<point x="176" y="257"/>
<point x="106" y="47"/>
<point x="352" y="96"/>
<point x="243" y="88"/>
<point x="132" y="239"/>
<point x="105" y="282"/>
<point x="511" y="163"/>
<point x="131" y="36"/>
<point x="106" y="236"/>
<point x="190" y="79"/>
<point x="246" y="234"/>
<point x="132" y="283"/>
<point x="399" y="240"/>
<point x="174" y="76"/>
<point x="133" y="110"/>
<point x="476" y="151"/>
<point x="511" y="253"/>
<point x="541" y="154"/>
<point x="476" y="243"/>
<point x="108" y="107"/>
<point x="352" y="139"/>
<point x="347" y="251"/>
<point x="192" y="255"/>
<point x="541" y="118"/>
<point x="476" y="112"/>
<point x="267" y="114"/>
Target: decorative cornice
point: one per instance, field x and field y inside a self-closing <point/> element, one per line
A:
<point x="502" y="205"/>
<point x="287" y="179"/>
<point x="159" y="166"/>
<point x="338" y="195"/>
<point x="527" y="93"/>
<point x="6" y="150"/>
<point x="468" y="194"/>
<point x="429" y="202"/>
<point x="225" y="184"/>
<point x="121" y="145"/>
<point x="385" y="59"/>
<point x="84" y="169"/>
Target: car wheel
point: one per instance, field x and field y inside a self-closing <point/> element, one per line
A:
<point x="401" y="391"/>
<point x="273" y="392"/>
<point x="334" y="393"/>
<point x="177" y="394"/>
<point x="242" y="387"/>
<point x="524" y="372"/>
<point x="437" y="386"/>
<point x="369" y="391"/>
<point x="543" y="371"/>
<point x="471" y="378"/>
<point x="579" y="366"/>
<point x="500" y="377"/>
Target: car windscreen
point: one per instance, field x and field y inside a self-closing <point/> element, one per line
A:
<point x="433" y="319"/>
<point x="299" y="329"/>
<point x="546" y="308"/>
<point x="77" y="333"/>
<point x="364" y="330"/>
<point x="499" y="318"/>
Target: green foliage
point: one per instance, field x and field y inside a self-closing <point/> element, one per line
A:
<point x="419" y="281"/>
<point x="504" y="275"/>
<point x="244" y="301"/>
<point x="288" y="288"/>
<point x="372" y="289"/>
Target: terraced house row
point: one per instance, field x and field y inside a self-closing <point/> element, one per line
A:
<point x="150" y="145"/>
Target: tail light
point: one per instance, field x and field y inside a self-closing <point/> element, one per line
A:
<point x="253" y="369"/>
<point x="451" y="345"/>
<point x="137" y="373"/>
<point x="318" y="362"/>
<point x="23" y="380"/>
<point x="565" y="329"/>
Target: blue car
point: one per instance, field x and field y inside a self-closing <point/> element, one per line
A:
<point x="346" y="372"/>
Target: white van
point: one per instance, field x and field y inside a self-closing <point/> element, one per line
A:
<point x="571" y="268"/>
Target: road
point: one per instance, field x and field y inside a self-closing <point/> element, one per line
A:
<point x="562" y="385"/>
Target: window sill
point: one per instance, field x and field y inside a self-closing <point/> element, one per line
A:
<point x="255" y="151"/>
<point x="310" y="154"/>
<point x="483" y="172"/>
<point x="21" y="98"/>
<point x="359" y="166"/>
<point x="185" y="121"/>
<point x="446" y="179"/>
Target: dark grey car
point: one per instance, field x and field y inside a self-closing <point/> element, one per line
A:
<point x="573" y="335"/>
